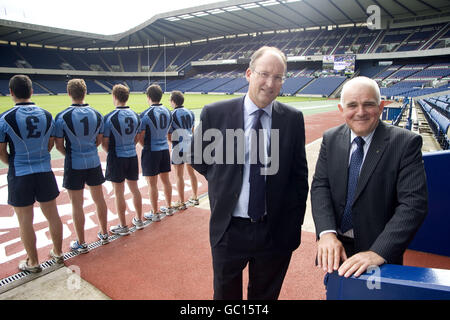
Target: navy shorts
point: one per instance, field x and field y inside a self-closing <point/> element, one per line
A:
<point x="75" y="179"/>
<point x="23" y="191"/>
<point x="155" y="162"/>
<point x="119" y="169"/>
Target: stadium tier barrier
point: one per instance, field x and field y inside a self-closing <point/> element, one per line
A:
<point x="391" y="282"/>
<point x="434" y="236"/>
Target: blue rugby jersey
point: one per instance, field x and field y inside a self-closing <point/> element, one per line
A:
<point x="156" y="122"/>
<point x="27" y="129"/>
<point x="183" y="119"/>
<point x="79" y="125"/>
<point x="121" y="127"/>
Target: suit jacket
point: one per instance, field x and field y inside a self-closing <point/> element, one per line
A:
<point x="391" y="196"/>
<point x="286" y="191"/>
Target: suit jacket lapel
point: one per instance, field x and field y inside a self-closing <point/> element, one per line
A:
<point x="236" y="118"/>
<point x="342" y="151"/>
<point x="377" y="146"/>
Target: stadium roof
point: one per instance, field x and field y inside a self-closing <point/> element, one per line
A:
<point x="224" y="18"/>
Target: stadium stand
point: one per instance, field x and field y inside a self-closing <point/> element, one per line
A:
<point x="323" y="86"/>
<point x="438" y="117"/>
<point x="404" y="77"/>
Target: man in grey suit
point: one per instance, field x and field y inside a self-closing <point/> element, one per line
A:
<point x="369" y="192"/>
<point x="255" y="218"/>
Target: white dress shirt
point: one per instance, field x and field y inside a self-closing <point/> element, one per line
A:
<point x="250" y="112"/>
<point x="353" y="147"/>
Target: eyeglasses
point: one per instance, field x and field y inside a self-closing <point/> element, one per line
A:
<point x="265" y="75"/>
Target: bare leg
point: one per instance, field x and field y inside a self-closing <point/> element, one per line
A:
<point x="50" y="212"/>
<point x="167" y="188"/>
<point x="137" y="198"/>
<point x="100" y="204"/>
<point x="194" y="181"/>
<point x="152" y="182"/>
<point x="179" y="169"/>
<point x="76" y="197"/>
<point x="25" y="217"/>
<point x="119" y="190"/>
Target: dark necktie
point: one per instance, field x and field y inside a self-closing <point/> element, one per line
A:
<point x="353" y="174"/>
<point x="257" y="198"/>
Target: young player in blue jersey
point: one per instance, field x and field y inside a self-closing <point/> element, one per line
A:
<point x="27" y="129"/>
<point x="119" y="140"/>
<point x="155" y="159"/>
<point x="180" y="134"/>
<point x="78" y="132"/>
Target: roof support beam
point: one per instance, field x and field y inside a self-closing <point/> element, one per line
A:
<point x="343" y="13"/>
<point x="299" y="13"/>
<point x="405" y="7"/>
<point x="429" y="5"/>
<point x="320" y="13"/>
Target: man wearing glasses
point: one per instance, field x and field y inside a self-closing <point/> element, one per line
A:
<point x="256" y="216"/>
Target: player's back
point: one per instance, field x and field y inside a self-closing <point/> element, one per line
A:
<point x="80" y="125"/>
<point x="27" y="128"/>
<point x="156" y="122"/>
<point x="183" y="122"/>
<point x="121" y="126"/>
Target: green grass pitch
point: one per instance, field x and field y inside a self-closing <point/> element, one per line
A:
<point x="138" y="102"/>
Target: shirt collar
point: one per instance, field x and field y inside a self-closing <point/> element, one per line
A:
<point x="122" y="107"/>
<point x="24" y="103"/>
<point x="367" y="139"/>
<point x="250" y="107"/>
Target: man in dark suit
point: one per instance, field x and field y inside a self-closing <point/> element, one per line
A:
<point x="256" y="218"/>
<point x="367" y="210"/>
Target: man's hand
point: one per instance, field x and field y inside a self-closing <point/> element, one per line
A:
<point x="359" y="263"/>
<point x="329" y="252"/>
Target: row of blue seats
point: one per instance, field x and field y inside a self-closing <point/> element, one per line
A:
<point x="438" y="122"/>
<point x="441" y="102"/>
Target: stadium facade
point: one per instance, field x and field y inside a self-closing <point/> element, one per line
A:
<point x="403" y="45"/>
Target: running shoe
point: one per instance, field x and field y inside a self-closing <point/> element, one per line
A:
<point x="167" y="211"/>
<point x="76" y="246"/>
<point x="153" y="217"/>
<point x="119" y="230"/>
<point x="104" y="238"/>
<point x="180" y="205"/>
<point x="23" y="266"/>
<point x="194" y="201"/>
<point x="138" y="223"/>
<point x="57" y="259"/>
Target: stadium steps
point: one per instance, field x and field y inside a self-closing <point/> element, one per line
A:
<point x="433" y="39"/>
<point x="312" y="42"/>
<point x="405" y="41"/>
<point x="108" y="67"/>
<point x="120" y="62"/>
<point x="376" y="42"/>
<point x="305" y="86"/>
<point x="302" y="87"/>
<point x="340" y="41"/>
<point x="156" y="61"/>
<point x="108" y="89"/>
<point x="44" y="88"/>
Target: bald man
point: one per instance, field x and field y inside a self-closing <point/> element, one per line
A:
<point x="369" y="192"/>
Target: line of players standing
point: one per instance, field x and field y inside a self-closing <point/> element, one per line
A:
<point x="76" y="132"/>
